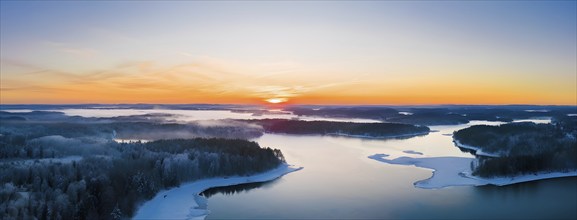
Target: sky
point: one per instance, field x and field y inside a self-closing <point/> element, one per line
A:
<point x="296" y="52"/>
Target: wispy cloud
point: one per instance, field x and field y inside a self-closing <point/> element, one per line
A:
<point x="20" y="64"/>
<point x="113" y="35"/>
<point x="267" y="91"/>
<point x="202" y="78"/>
<point x="186" y="54"/>
<point x="71" y="49"/>
<point x="82" y="52"/>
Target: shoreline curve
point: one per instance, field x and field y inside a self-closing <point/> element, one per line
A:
<point x="185" y="202"/>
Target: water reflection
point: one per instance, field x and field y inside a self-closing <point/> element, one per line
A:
<point x="235" y="189"/>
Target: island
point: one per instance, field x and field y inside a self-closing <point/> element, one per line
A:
<point x="365" y="112"/>
<point x="503" y="155"/>
<point x="378" y="130"/>
<point x="521" y="148"/>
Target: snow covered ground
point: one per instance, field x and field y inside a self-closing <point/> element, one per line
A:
<point x="502" y="181"/>
<point x="456" y="171"/>
<point x="185" y="202"/>
<point x="478" y="151"/>
<point x="446" y="170"/>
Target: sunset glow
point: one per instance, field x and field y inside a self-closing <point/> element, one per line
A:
<point x="309" y="52"/>
<point x="276" y="100"/>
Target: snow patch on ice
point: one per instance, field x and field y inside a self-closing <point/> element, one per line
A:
<point x="446" y="170"/>
<point x="456" y="171"/>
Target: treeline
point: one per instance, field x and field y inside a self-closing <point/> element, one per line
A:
<point x="368" y="112"/>
<point x="430" y="117"/>
<point x="112" y="187"/>
<point x="523" y="148"/>
<point x="563" y="161"/>
<point x="378" y="130"/>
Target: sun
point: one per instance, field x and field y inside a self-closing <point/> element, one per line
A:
<point x="276" y="100"/>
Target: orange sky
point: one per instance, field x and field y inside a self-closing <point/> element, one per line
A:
<point x="247" y="52"/>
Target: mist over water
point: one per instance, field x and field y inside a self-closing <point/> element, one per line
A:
<point x="196" y="115"/>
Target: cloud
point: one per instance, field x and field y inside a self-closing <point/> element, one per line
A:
<point x="20" y="64"/>
<point x="185" y="54"/>
<point x="82" y="52"/>
<point x="267" y="91"/>
<point x="13" y="69"/>
<point x="71" y="50"/>
<point x="206" y="78"/>
<point x="35" y="89"/>
<point x="278" y="91"/>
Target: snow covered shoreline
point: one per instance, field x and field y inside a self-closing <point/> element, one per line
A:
<point x="456" y="171"/>
<point x="503" y="181"/>
<point x="185" y="202"/>
<point x="478" y="151"/>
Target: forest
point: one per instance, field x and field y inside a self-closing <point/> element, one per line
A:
<point x="523" y="148"/>
<point x="369" y="112"/>
<point x="59" y="167"/>
<point x="370" y="130"/>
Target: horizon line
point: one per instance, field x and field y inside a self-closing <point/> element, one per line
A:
<point x="283" y="105"/>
